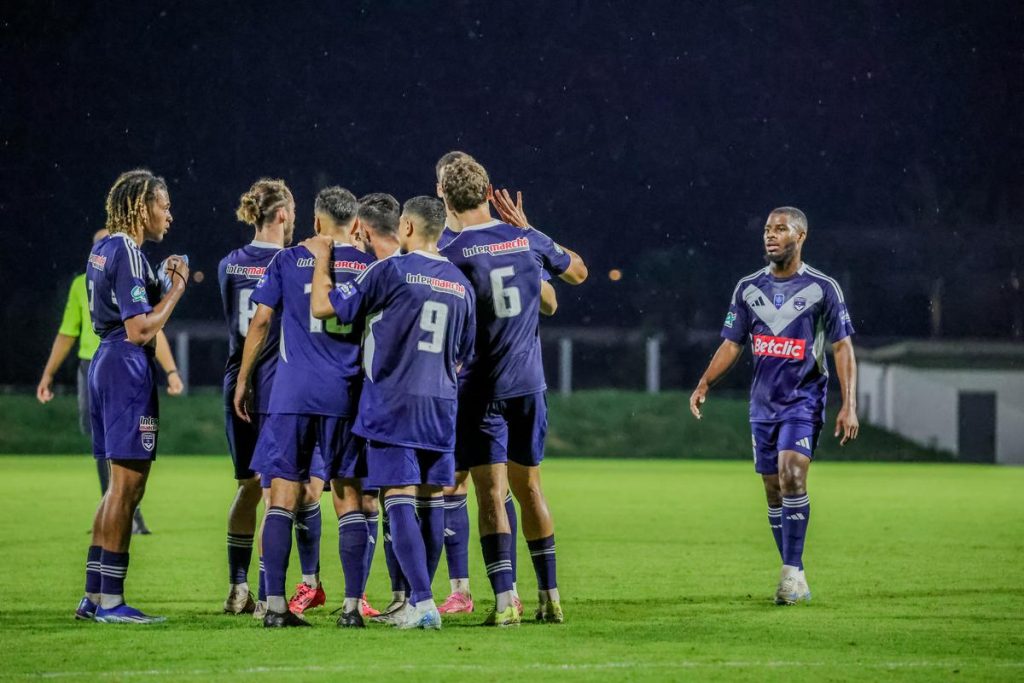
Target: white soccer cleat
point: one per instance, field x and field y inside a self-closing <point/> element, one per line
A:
<point x="424" y="616"/>
<point x="240" y="600"/>
<point x="392" y="614"/>
<point x="260" y="610"/>
<point x="792" y="588"/>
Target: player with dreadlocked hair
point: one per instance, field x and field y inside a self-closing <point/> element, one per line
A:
<point x="130" y="304"/>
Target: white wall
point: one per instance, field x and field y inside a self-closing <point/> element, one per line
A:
<point x="921" y="404"/>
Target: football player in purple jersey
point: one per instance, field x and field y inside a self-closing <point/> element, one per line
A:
<point x="456" y="536"/>
<point x="268" y="206"/>
<point x="791" y="313"/>
<point x="502" y="418"/>
<point x="312" y="403"/>
<point x="129" y="306"/>
<point x="419" y="328"/>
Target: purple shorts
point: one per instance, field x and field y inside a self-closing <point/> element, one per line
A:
<point x="494" y="432"/>
<point x="389" y="465"/>
<point x="123" y="407"/>
<point x="769" y="438"/>
<point x="296" y="447"/>
<point x="242" y="437"/>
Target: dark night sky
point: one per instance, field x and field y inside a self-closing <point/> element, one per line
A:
<point x="649" y="136"/>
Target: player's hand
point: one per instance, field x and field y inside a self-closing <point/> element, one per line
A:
<point x="44" y="392"/>
<point x="177" y="270"/>
<point x="174" y="384"/>
<point x="697" y="399"/>
<point x="847" y="424"/>
<point x="242" y="400"/>
<point x="319" y="246"/>
<point x="509" y="211"/>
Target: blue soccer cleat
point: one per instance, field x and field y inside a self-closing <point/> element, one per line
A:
<point x="86" y="610"/>
<point x="123" y="614"/>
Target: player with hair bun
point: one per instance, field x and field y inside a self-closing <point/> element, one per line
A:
<point x="268" y="206"/>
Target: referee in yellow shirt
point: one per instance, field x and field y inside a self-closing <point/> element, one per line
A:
<point x="77" y="325"/>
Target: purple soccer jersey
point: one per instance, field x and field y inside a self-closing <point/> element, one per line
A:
<point x="789" y="323"/>
<point x="121" y="285"/>
<point x="238" y="273"/>
<point x="318" y="371"/>
<point x="419" y="328"/>
<point x="504" y="265"/>
<point x="122" y="376"/>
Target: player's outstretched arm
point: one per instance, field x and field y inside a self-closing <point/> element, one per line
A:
<point x="512" y="213"/>
<point x="723" y="360"/>
<point x="165" y="358"/>
<point x="142" y="328"/>
<point x="255" y="340"/>
<point x="847" y="425"/>
<point x="62" y="345"/>
<point x="577" y="271"/>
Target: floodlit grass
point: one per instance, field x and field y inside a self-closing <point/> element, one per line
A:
<point x="666" y="569"/>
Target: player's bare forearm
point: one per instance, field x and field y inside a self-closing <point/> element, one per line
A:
<point x="847" y="424"/>
<point x="577" y="271"/>
<point x="163" y="353"/>
<point x="721" y="363"/>
<point x="319" y="295"/>
<point x="143" y="328"/>
<point x="62" y="345"/>
<point x="723" y="360"/>
<point x="548" y="299"/>
<point x="846" y="370"/>
<point x="255" y="340"/>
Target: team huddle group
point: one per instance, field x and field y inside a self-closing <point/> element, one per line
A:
<point x="396" y="356"/>
<point x="391" y="358"/>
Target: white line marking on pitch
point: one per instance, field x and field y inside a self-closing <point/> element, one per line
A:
<point x="597" y="666"/>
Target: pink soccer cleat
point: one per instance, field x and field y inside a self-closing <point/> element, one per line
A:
<point x="457" y="603"/>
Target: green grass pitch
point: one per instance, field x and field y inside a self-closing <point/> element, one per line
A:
<point x="666" y="570"/>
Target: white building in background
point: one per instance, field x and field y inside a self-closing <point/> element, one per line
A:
<point x="962" y="397"/>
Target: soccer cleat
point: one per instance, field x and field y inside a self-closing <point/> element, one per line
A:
<point x="283" y="620"/>
<point x="518" y="604"/>
<point x="507" y="617"/>
<point x="392" y="613"/>
<point x="240" y="601"/>
<point x="457" y="603"/>
<point x="792" y="589"/>
<point x="351" y="619"/>
<point x="123" y="614"/>
<point x="306" y="597"/>
<point x="260" y="610"/>
<point x="550" y="612"/>
<point x="426" y="618"/>
<point x="139" y="527"/>
<point x="366" y="609"/>
<point x="86" y="610"/>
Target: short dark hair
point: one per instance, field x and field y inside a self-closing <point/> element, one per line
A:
<point x="465" y="184"/>
<point x="448" y="158"/>
<point x="381" y="211"/>
<point x="338" y="203"/>
<point x="430" y="210"/>
<point x="793" y="213"/>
